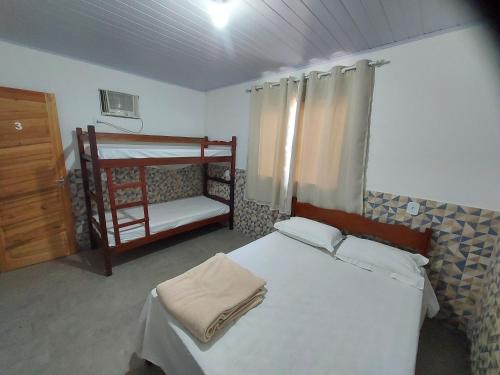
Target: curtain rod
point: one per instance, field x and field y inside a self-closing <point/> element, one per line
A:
<point x="375" y="64"/>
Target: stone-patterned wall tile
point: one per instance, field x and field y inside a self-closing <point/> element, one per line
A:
<point x="250" y="218"/>
<point x="79" y="210"/>
<point x="485" y="322"/>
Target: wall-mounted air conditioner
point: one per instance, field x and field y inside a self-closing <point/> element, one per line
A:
<point x="118" y="104"/>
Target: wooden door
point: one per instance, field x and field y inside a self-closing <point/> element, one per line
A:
<point x="36" y="222"/>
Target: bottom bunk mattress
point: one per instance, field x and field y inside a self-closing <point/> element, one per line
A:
<point x="164" y="216"/>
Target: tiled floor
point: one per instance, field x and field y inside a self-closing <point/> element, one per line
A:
<point x="63" y="317"/>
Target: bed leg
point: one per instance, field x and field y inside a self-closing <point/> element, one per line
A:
<point x="108" y="267"/>
<point x="231" y="223"/>
<point x="93" y="242"/>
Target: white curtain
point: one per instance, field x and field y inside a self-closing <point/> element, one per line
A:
<point x="332" y="146"/>
<point x="311" y="140"/>
<point x="273" y="124"/>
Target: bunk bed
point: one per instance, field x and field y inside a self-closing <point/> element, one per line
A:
<point x="129" y="225"/>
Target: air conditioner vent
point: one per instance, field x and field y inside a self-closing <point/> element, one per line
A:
<point x="119" y="104"/>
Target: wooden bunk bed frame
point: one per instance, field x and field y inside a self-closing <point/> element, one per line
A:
<point x="98" y="231"/>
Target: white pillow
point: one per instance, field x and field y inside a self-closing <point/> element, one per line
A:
<point x="311" y="232"/>
<point x="375" y="256"/>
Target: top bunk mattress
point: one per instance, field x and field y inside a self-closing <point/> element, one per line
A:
<point x="126" y="152"/>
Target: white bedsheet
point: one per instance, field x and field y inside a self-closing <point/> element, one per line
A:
<point x="127" y="152"/>
<point x="320" y="316"/>
<point x="163" y="216"/>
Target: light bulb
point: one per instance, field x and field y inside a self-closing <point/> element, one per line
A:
<point x="219" y="13"/>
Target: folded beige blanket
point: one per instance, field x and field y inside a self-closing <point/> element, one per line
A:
<point x="208" y="297"/>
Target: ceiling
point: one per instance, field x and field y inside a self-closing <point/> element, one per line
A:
<point x="174" y="40"/>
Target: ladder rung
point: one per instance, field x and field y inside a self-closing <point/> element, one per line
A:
<point x="96" y="223"/>
<point x="217" y="179"/>
<point x="128" y="223"/>
<point x="86" y="157"/>
<point x="129" y="204"/>
<point x="127" y="185"/>
<point x="220" y="199"/>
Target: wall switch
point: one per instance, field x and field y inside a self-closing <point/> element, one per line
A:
<point x="412" y="208"/>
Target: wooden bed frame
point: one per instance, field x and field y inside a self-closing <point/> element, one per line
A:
<point x="97" y="228"/>
<point x="396" y="234"/>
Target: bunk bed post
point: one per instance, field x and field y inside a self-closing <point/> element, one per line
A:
<point x="112" y="204"/>
<point x="205" y="173"/>
<point x="96" y="170"/>
<point x="233" y="182"/>
<point x="144" y="192"/>
<point x="85" y="183"/>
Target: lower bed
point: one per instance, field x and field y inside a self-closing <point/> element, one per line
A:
<point x="164" y="216"/>
<point x="320" y="316"/>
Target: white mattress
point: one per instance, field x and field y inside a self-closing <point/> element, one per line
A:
<point x="126" y="152"/>
<point x="320" y="316"/>
<point x="163" y="216"/>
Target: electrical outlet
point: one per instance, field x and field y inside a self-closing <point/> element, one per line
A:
<point x="412" y="208"/>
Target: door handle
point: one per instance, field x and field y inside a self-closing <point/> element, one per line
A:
<point x="61" y="181"/>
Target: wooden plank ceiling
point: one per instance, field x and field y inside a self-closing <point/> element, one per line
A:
<point x="175" y="41"/>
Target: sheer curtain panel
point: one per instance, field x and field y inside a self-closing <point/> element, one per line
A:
<point x="273" y="122"/>
<point x="332" y="146"/>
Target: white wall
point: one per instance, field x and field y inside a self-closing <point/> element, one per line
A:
<point x="435" y="128"/>
<point x="165" y="108"/>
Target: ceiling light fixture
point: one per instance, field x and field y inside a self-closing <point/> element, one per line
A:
<point x="219" y="12"/>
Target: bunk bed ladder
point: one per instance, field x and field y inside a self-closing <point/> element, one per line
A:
<point x="112" y="188"/>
